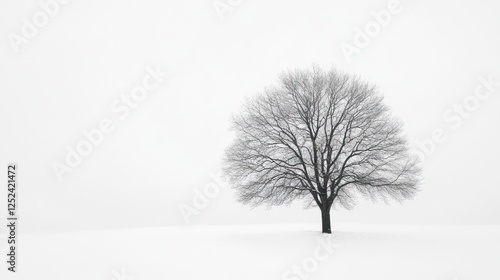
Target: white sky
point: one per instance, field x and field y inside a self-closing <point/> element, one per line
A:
<point x="66" y="77"/>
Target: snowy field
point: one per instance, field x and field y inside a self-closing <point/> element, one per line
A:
<point x="262" y="252"/>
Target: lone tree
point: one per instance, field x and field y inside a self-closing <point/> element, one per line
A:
<point x="321" y="137"/>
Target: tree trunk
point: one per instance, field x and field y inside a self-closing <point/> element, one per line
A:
<point x="325" y="220"/>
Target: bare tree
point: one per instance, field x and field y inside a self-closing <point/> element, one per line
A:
<point x="321" y="137"/>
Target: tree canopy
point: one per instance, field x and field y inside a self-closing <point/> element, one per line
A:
<point x="319" y="136"/>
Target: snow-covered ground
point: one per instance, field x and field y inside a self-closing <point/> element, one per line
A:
<point x="262" y="252"/>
